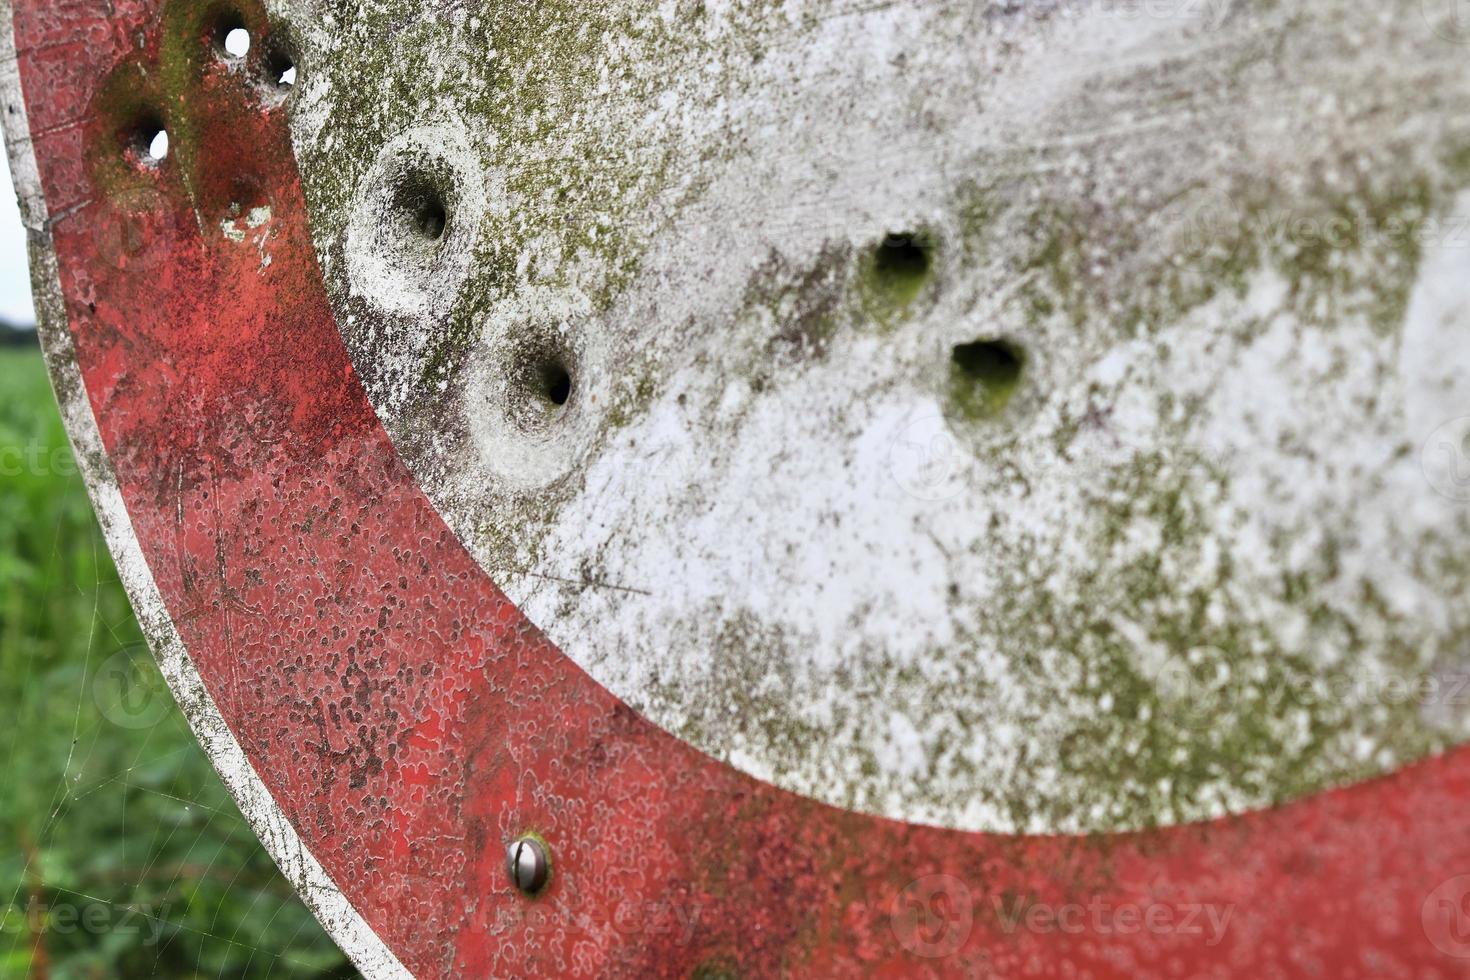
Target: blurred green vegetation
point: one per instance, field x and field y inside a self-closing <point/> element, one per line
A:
<point x="121" y="854"/>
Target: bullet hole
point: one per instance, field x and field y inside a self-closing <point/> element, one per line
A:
<point x="901" y="257"/>
<point x="229" y="35"/>
<point x="898" y="267"/>
<point x="280" y="66"/>
<point x="237" y="42"/>
<point x="984" y="376"/>
<point x="146" y="141"/>
<point x="421" y="205"/>
<point x="551" y="382"/>
<point x="430" y="219"/>
<point x="158" y="146"/>
<point x="542" y="384"/>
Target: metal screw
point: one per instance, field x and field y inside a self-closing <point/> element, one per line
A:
<point x="528" y="863"/>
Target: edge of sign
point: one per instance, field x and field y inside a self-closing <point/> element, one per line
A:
<point x="311" y="881"/>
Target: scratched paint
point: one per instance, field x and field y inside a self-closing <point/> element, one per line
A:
<point x="396" y="719"/>
<point x="280" y="838"/>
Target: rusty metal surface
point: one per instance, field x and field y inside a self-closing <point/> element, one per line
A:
<point x="409" y="722"/>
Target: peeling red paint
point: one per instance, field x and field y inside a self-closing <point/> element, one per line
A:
<point x="410" y="722"/>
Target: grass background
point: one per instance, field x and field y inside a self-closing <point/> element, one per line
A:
<point x="121" y="854"/>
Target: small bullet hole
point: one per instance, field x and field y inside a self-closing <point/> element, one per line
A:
<point x="898" y="267"/>
<point x="430" y="218"/>
<point x="542" y="386"/>
<point x="237" y="42"/>
<point x="229" y="35"/>
<point x="902" y="256"/>
<point x="147" y="141"/>
<point x="554" y="383"/>
<point x="420" y="203"/>
<point x="280" y="66"/>
<point x="984" y="376"/>
<point x="158" y="146"/>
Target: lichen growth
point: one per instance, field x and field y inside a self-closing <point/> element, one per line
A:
<point x="1125" y="631"/>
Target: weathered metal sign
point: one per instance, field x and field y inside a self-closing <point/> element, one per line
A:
<point x="819" y="488"/>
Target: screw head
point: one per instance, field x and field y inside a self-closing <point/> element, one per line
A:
<point x="528" y="862"/>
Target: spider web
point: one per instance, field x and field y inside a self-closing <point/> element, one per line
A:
<point x="125" y="855"/>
